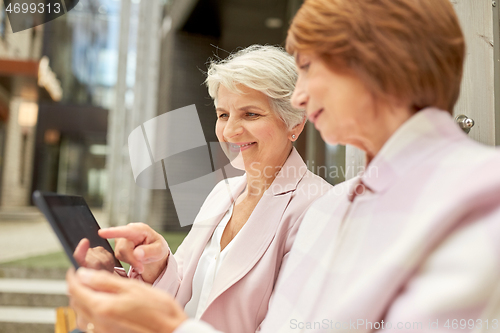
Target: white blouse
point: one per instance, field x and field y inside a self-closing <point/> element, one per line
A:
<point x="206" y="271"/>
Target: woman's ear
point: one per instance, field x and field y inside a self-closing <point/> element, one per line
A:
<point x="297" y="129"/>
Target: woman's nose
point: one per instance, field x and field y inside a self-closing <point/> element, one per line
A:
<point x="232" y="128"/>
<point x="299" y="97"/>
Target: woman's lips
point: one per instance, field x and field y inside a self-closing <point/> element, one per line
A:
<point x="240" y="146"/>
<point x="314" y="116"/>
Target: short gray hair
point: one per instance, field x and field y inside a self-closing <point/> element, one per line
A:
<point x="268" y="69"/>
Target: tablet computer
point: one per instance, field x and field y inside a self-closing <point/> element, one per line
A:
<point x="72" y="220"/>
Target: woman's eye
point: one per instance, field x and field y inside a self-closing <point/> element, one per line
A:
<point x="304" y="66"/>
<point x="251" y="114"/>
<point x="222" y="116"/>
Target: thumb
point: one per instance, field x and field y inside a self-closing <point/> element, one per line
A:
<point x="151" y="252"/>
<point x="81" y="251"/>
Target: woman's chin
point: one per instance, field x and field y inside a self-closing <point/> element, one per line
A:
<point x="238" y="163"/>
<point x="331" y="140"/>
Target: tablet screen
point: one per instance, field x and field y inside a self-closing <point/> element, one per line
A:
<point x="75" y="221"/>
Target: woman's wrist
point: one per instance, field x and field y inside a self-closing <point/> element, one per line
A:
<point x="154" y="270"/>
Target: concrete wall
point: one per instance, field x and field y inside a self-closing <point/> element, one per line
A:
<point x="477" y="96"/>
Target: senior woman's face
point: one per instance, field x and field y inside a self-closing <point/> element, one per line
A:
<point x="339" y="105"/>
<point x="247" y="124"/>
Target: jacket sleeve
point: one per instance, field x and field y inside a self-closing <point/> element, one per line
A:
<point x="171" y="277"/>
<point x="457" y="286"/>
<point x="195" y="326"/>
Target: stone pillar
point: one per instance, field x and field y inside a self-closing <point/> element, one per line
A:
<point x="145" y="92"/>
<point x="18" y="160"/>
<point x="125" y="201"/>
<point x="116" y="194"/>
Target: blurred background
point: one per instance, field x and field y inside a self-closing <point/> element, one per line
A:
<point x="110" y="66"/>
<point x="74" y="88"/>
<point x="71" y="92"/>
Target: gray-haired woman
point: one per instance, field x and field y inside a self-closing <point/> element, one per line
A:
<point x="225" y="270"/>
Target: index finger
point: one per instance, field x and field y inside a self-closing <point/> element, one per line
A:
<point x="127" y="231"/>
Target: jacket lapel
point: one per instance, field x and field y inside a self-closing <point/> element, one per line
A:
<point x="260" y="229"/>
<point x="205" y="223"/>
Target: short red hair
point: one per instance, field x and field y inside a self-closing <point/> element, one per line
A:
<point x="411" y="50"/>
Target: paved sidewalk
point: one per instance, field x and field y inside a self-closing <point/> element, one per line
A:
<point x="24" y="232"/>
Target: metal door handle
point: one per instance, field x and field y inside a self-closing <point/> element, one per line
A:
<point x="464" y="122"/>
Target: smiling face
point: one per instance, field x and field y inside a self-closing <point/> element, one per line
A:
<point x="339" y="105"/>
<point x="248" y="127"/>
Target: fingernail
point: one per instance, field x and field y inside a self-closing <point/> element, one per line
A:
<point x="84" y="274"/>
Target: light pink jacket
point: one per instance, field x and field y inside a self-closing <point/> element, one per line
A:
<point x="245" y="281"/>
<point x="410" y="246"/>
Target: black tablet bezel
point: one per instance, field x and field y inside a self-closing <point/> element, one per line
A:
<point x="45" y="201"/>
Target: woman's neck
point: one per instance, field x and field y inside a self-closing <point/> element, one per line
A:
<point x="259" y="180"/>
<point x="381" y="129"/>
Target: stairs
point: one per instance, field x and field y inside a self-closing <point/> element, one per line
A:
<point x="30" y="294"/>
<point x="29" y="305"/>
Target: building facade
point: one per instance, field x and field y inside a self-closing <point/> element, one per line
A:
<point x="25" y="79"/>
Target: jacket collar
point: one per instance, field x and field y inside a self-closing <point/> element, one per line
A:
<point x="424" y="133"/>
<point x="261" y="227"/>
<point x="286" y="180"/>
<point x="290" y="174"/>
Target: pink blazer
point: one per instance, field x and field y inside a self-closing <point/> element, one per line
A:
<point x="410" y="246"/>
<point x="245" y="281"/>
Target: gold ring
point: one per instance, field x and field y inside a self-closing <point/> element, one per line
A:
<point x="90" y="328"/>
